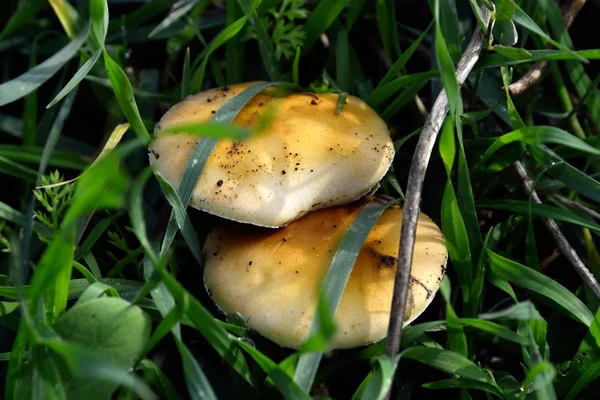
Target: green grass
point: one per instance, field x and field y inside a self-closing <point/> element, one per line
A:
<point x="100" y="279"/>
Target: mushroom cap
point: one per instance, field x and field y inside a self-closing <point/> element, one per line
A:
<point x="273" y="277"/>
<point x="308" y="158"/>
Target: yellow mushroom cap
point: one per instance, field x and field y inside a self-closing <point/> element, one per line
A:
<point x="307" y="159"/>
<point x="273" y="277"/>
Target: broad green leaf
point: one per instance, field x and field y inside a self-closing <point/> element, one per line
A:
<point x="108" y="326"/>
<point x="28" y="82"/>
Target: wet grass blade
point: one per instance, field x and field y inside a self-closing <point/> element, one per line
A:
<point x="541" y="284"/>
<point x="336" y="279"/>
<point x="28" y="82"/>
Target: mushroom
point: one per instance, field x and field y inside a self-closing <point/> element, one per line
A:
<point x="308" y="157"/>
<point x="273" y="277"/>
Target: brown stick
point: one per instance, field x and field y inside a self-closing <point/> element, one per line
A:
<point x="535" y="73"/>
<point x="558" y="236"/>
<point x="577" y="206"/>
<point x="415" y="185"/>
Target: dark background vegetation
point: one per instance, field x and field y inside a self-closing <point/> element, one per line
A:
<point x="155" y="65"/>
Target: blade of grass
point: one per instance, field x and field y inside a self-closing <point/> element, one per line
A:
<point x="521" y="18"/>
<point x="178" y="11"/>
<point x="381" y="379"/>
<point x="321" y="18"/>
<point x="25" y="11"/>
<point x="536" y="135"/>
<point x="124" y="93"/>
<point x="187" y="75"/>
<point x="385" y="12"/>
<point x="541" y="210"/>
<point x="29" y="81"/>
<point x="457" y="340"/>
<point x="401" y="62"/>
<point x="223" y="37"/>
<point x="566" y="173"/>
<point x="265" y="44"/>
<point x="336" y="279"/>
<point x="387" y="90"/>
<point x="204" y="146"/>
<point x="541" y="284"/>
<point x="286" y="385"/>
<point x="77" y="78"/>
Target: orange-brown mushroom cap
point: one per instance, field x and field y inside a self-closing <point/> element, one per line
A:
<point x="308" y="157"/>
<point x="272" y="277"/>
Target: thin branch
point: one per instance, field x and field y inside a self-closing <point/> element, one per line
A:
<point x="558" y="236"/>
<point x="415" y="185"/>
<point x="535" y="73"/>
<point x="577" y="206"/>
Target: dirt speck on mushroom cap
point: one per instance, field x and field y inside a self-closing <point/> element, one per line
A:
<point x="327" y="159"/>
<point x="277" y="294"/>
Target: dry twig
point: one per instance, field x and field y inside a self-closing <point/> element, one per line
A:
<point x="558" y="236"/>
<point x="535" y="73"/>
<point x="415" y="185"/>
<point x="577" y="206"/>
